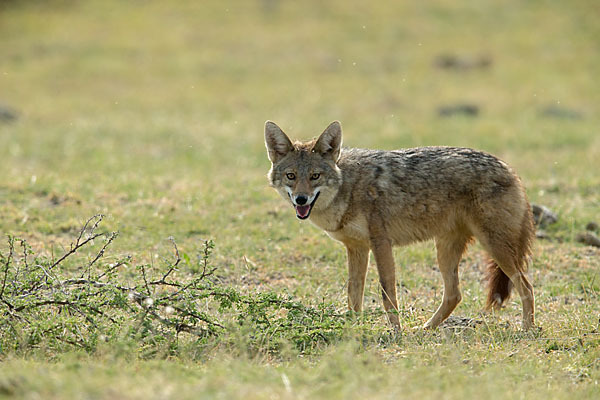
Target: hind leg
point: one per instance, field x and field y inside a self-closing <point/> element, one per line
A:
<point x="527" y="298"/>
<point x="513" y="268"/>
<point x="450" y="249"/>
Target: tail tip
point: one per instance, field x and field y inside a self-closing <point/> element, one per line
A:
<point x="499" y="286"/>
<point x="495" y="301"/>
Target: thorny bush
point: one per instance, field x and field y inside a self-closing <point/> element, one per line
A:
<point x="79" y="300"/>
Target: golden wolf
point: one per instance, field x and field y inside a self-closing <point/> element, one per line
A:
<point x="373" y="200"/>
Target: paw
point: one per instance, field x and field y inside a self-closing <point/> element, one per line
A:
<point x="531" y="328"/>
<point x="429" y="325"/>
<point x="394" y="321"/>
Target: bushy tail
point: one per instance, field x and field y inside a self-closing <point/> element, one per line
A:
<point x="499" y="284"/>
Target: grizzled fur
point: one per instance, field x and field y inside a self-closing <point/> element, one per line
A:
<point x="372" y="200"/>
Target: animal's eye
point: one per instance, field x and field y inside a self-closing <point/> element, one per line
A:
<point x="291" y="176"/>
<point x="315" y="176"/>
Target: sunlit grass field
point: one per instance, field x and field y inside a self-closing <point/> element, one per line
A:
<point x="152" y="113"/>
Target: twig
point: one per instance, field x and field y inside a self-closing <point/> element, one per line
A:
<point x="46" y="274"/>
<point x="112" y="268"/>
<point x="84" y="315"/>
<point x="197" y="316"/>
<point x="145" y="280"/>
<point x="177" y="260"/>
<point x="208" y="245"/>
<point x="62" y="339"/>
<point x="42" y="303"/>
<point x="25" y="253"/>
<point x="99" y="312"/>
<point x="181" y="327"/>
<point x="163" y="280"/>
<point x="10" y="306"/>
<point x="75" y="248"/>
<point x="100" y="253"/>
<point x="83" y="281"/>
<point x="78" y="243"/>
<point x="7" y="262"/>
<point x="183" y="289"/>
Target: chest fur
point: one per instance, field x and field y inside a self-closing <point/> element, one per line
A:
<point x="354" y="229"/>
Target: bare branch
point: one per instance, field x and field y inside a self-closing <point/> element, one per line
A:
<point x="145" y="280"/>
<point x="76" y="247"/>
<point x="177" y="260"/>
<point x="100" y="253"/>
<point x="112" y="268"/>
<point x="26" y="251"/>
<point x="7" y="262"/>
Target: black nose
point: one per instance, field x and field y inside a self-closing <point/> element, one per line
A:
<point x="301" y="200"/>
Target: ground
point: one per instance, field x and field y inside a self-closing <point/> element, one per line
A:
<point x="152" y="113"/>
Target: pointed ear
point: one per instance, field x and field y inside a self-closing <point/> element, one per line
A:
<point x="330" y="142"/>
<point x="277" y="142"/>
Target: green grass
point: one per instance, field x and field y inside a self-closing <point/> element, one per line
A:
<point x="152" y="113"/>
<point x="455" y="372"/>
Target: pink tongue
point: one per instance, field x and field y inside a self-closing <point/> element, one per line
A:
<point x="302" y="210"/>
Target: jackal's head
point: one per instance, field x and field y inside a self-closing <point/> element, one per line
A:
<point x="305" y="173"/>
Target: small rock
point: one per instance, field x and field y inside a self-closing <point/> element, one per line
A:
<point x="469" y="110"/>
<point x="542" y="216"/>
<point x="554" y="111"/>
<point x="588" y="238"/>
<point x="592" y="226"/>
<point x="462" y="63"/>
<point x="542" y="235"/>
<point x="7" y="114"/>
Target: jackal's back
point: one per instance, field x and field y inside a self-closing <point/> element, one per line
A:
<point x="422" y="192"/>
<point x="444" y="172"/>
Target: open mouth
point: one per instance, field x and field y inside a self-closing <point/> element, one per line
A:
<point x="303" y="212"/>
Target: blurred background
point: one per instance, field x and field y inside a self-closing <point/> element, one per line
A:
<point x="152" y="112"/>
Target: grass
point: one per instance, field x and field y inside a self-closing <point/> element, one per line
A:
<point x="152" y="113"/>
<point x="345" y="373"/>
